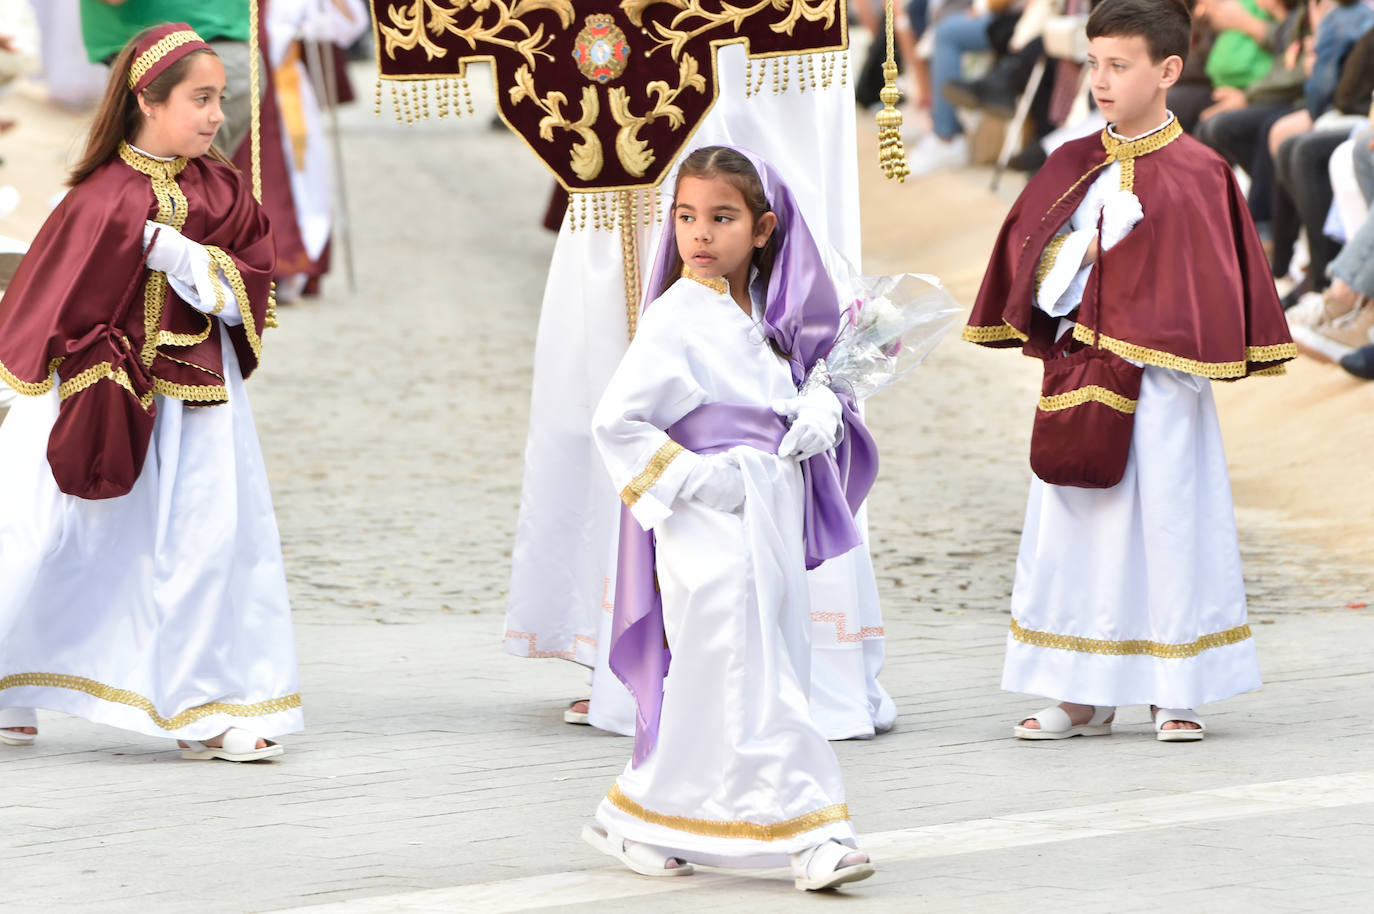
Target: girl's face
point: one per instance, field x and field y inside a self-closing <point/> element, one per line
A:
<point x="185" y="124"/>
<point x="716" y="234"/>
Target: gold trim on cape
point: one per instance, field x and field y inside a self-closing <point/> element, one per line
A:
<point x="992" y="334"/>
<point x="778" y="831"/>
<point x="651" y="472"/>
<point x="134" y="700"/>
<point x="1221" y="371"/>
<point x="1047" y="260"/>
<point x="1091" y="392"/>
<point x="1130" y="648"/>
<point x="231" y="272"/>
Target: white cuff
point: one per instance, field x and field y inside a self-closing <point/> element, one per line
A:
<point x="1064" y="282"/>
<point x="211" y="293"/>
<point x="651" y="493"/>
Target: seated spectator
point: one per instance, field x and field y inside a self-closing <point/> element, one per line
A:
<point x="1237" y="122"/>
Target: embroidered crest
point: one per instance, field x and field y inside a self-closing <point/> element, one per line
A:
<point x="601" y="50"/>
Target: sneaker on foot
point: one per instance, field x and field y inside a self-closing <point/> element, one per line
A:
<point x="1333" y="338"/>
<point x="933" y="154"/>
<point x="1360" y="362"/>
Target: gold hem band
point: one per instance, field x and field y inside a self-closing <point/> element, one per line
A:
<point x="134" y="700"/>
<point x="1130" y="648"/>
<point x="839" y="812"/>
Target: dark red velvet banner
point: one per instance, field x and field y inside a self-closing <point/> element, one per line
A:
<point x="608" y="93"/>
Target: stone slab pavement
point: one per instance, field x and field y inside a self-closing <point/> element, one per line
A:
<point x="436" y="774"/>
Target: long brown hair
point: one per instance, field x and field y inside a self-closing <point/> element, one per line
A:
<point x="118" y="117"/>
<point x="730" y="165"/>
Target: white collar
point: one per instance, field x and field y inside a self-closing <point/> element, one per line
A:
<point x="149" y="155"/>
<point x="1168" y="119"/>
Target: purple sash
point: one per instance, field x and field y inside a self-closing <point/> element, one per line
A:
<point x="834" y="483"/>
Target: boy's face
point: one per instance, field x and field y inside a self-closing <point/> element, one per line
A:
<point x="1127" y="85"/>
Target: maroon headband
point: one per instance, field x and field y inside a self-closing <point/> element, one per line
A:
<point x="159" y="49"/>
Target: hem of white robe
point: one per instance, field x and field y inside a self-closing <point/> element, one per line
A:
<point x="1107" y="679"/>
<point x="746" y="853"/>
<point x="534" y="646"/>
<point x="125" y="717"/>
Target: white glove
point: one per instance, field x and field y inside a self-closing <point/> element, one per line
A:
<point x="171" y="254"/>
<point x="1120" y="213"/>
<point x="717" y="482"/>
<point x="815" y="423"/>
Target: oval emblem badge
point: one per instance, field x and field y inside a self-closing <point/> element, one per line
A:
<point x="600" y="49"/>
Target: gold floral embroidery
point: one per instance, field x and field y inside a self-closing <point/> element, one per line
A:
<point x="134" y="700"/>
<point x="1090" y="393"/>
<point x="778" y="831"/>
<point x="1130" y="648"/>
<point x="650" y="474"/>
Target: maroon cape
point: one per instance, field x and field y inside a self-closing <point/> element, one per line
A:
<point x="77" y="271"/>
<point x="1189" y="288"/>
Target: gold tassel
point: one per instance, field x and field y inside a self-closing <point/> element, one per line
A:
<point x="891" y="151"/>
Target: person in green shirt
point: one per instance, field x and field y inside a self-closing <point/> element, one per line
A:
<point x="107" y="25"/>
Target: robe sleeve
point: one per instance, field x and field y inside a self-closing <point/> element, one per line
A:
<point x="652" y="388"/>
<point x="243" y="251"/>
<point x="1061" y="277"/>
<point x="211" y="293"/>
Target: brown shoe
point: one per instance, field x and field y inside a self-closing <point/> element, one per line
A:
<point x="1332" y="338"/>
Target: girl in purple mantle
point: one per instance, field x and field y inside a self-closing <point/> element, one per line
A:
<point x="739" y="468"/>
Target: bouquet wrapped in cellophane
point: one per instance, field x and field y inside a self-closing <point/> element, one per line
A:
<point x="889" y="325"/>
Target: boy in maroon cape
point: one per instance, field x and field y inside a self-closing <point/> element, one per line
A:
<point x="1132" y="594"/>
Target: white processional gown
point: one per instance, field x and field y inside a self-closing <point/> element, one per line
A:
<point x="740" y="772"/>
<point x="1133" y="595"/>
<point x="163" y="611"/>
<point x="562" y="587"/>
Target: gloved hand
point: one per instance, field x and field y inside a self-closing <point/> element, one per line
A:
<point x="815" y="423"/>
<point x="1120" y="213"/>
<point x="172" y="252"/>
<point x="716" y="482"/>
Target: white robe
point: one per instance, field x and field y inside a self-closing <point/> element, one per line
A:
<point x="1133" y="595"/>
<point x="163" y="611"/>
<point x="740" y="773"/>
<point x="562" y="587"/>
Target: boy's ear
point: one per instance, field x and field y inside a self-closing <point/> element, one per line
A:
<point x="1173" y="69"/>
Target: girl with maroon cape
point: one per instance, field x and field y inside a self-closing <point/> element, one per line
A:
<point x="1137" y="244"/>
<point x="141" y="578"/>
<point x="727" y="503"/>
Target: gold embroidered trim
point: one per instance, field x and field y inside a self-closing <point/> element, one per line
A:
<point x="1271" y="372"/>
<point x="212" y="268"/>
<point x="992" y="334"/>
<point x="149" y="58"/>
<point x="1047" y="259"/>
<point x="1082" y="395"/>
<point x="134" y="700"/>
<point x="193" y="393"/>
<point x="101" y="372"/>
<point x="1130" y="648"/>
<point x="171" y="210"/>
<point x="839" y="812"/>
<point x="1272" y="353"/>
<point x="231" y="272"/>
<point x="26" y="388"/>
<point x="718" y="285"/>
<point x="1127" y="151"/>
<point x="181" y="340"/>
<point x="1160" y="358"/>
<point x="651" y="472"/>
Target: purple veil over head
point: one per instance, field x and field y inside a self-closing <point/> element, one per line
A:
<point x="802" y="315"/>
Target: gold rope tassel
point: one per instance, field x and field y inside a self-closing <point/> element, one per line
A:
<point x="629" y="256"/>
<point x="891" y="151"/>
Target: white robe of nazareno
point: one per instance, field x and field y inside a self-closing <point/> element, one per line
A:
<point x="163" y="611"/>
<point x="1133" y="595"/>
<point x="562" y="588"/>
<point x="740" y="773"/>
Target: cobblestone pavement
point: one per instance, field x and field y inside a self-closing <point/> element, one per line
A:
<point x="436" y="774"/>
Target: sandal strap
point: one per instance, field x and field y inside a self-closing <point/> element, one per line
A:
<point x="821" y="860"/>
<point x="1053" y="719"/>
<point x="1183" y="715"/>
<point x="18" y="717"/>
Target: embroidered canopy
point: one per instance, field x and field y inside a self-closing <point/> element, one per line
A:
<point x="606" y="93"/>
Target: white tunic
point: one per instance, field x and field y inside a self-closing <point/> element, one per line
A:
<point x="740" y="773"/>
<point x="163" y="611"/>
<point x="562" y="587"/>
<point x="1133" y="594"/>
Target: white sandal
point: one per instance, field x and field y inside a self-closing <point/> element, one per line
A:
<point x="237" y="746"/>
<point x="1186" y="715"/>
<point x="1055" y="724"/>
<point x="17" y="717"/>
<point x="573" y="716"/>
<point x="643" y="859"/>
<point x="818" y="867"/>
